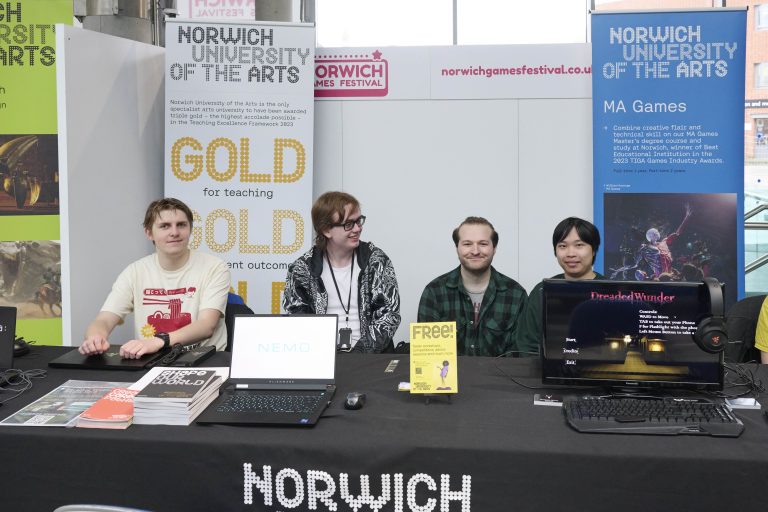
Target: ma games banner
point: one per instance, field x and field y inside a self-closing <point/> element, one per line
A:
<point x="239" y="125"/>
<point x="668" y="109"/>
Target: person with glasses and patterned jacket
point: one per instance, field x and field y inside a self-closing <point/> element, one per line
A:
<point x="344" y="276"/>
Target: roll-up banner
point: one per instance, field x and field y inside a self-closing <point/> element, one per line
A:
<point x="30" y="253"/>
<point x="668" y="115"/>
<point x="239" y="125"/>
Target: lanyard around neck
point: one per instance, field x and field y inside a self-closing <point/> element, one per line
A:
<point x="336" y="285"/>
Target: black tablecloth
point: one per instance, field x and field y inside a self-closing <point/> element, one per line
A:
<point x="488" y="448"/>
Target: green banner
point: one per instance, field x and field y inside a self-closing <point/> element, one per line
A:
<point x="30" y="255"/>
<point x="28" y="63"/>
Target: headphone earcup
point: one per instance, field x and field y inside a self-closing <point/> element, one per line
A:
<point x="710" y="335"/>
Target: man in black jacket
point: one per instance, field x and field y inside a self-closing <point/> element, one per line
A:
<point x="342" y="275"/>
<point x="575" y="242"/>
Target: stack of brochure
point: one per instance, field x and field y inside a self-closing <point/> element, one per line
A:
<point x="113" y="410"/>
<point x="175" y="396"/>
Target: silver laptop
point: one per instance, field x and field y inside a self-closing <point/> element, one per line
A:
<point x="282" y="372"/>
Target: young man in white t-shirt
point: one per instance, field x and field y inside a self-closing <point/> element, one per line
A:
<point x="177" y="295"/>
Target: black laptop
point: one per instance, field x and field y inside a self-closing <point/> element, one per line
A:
<point x="7" y="336"/>
<point x="282" y="373"/>
<point x="109" y="360"/>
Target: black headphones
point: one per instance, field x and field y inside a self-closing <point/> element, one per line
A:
<point x="710" y="335"/>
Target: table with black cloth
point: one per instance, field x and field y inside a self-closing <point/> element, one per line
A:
<point x="487" y="449"/>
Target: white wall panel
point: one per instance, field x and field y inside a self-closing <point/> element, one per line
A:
<point x="110" y="108"/>
<point x="328" y="144"/>
<point x="555" y="178"/>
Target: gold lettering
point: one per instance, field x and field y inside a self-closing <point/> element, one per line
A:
<point x="277" y="290"/>
<point x="301" y="160"/>
<point x="210" y="224"/>
<point x="195" y="160"/>
<point x="210" y="159"/>
<point x="245" y="246"/>
<point x="278" y="216"/>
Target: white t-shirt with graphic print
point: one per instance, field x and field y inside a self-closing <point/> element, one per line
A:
<point x="163" y="301"/>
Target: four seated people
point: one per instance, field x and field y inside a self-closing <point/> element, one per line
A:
<point x="345" y="276"/>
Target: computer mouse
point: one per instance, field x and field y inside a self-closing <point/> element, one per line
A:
<point x="354" y="400"/>
<point x="20" y="347"/>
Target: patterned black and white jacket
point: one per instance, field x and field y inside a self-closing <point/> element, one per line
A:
<point x="378" y="296"/>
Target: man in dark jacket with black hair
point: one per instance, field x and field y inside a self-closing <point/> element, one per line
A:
<point x="575" y="242"/>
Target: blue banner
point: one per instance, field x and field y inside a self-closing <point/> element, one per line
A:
<point x="668" y="136"/>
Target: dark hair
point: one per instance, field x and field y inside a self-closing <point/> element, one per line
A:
<point x="325" y="208"/>
<point x="476" y="220"/>
<point x="586" y="230"/>
<point x="161" y="205"/>
<point x="691" y="272"/>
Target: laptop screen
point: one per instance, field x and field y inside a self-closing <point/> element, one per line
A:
<point x="279" y="347"/>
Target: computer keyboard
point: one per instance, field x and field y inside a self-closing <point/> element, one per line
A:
<point x="665" y="416"/>
<point x="276" y="402"/>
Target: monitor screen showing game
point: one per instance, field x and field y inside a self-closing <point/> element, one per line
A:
<point x="626" y="334"/>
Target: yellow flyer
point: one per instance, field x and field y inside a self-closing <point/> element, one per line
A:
<point x="433" y="358"/>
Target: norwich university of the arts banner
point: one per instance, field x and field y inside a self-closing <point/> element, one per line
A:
<point x="668" y="105"/>
<point x="239" y="124"/>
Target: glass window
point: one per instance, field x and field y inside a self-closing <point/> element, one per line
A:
<point x="761" y="17"/>
<point x="761" y="75"/>
<point x="506" y="22"/>
<point x="350" y="23"/>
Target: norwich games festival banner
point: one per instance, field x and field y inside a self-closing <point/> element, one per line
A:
<point x="453" y="72"/>
<point x="239" y="127"/>
<point x="668" y="113"/>
<point x="30" y="254"/>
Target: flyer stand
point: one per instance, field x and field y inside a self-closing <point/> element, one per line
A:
<point x="433" y="361"/>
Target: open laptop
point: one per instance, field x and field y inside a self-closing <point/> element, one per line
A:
<point x="109" y="360"/>
<point x="282" y="373"/>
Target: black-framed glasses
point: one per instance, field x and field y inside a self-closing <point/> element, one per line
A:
<point x="350" y="223"/>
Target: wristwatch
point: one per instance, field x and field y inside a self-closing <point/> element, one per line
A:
<point x="166" y="339"/>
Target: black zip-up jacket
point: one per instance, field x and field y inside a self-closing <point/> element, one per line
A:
<point x="378" y="296"/>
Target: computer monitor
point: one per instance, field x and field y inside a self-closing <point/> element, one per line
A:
<point x="627" y="334"/>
